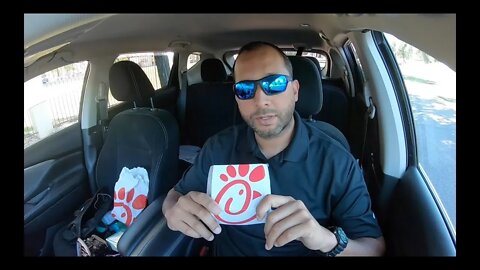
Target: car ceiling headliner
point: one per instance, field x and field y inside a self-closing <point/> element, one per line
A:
<point x="90" y="34"/>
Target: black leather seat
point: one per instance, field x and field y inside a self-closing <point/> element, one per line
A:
<point x="145" y="137"/>
<point x="138" y="137"/>
<point x="335" y="109"/>
<point x="310" y="98"/>
<point x="210" y="105"/>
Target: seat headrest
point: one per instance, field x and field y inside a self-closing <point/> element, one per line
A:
<point x="315" y="61"/>
<point x="310" y="95"/>
<point x="212" y="70"/>
<point x="128" y="82"/>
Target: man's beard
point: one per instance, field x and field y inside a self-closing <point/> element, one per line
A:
<point x="283" y="121"/>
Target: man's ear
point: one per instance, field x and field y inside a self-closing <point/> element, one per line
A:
<point x="295" y="88"/>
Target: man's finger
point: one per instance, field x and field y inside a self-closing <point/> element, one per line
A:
<point x="206" y="201"/>
<point x="207" y="218"/>
<point x="271" y="201"/>
<point x="281" y="226"/>
<point x="279" y="214"/>
<point x="199" y="212"/>
<point x="292" y="233"/>
<point x="198" y="227"/>
<point x="187" y="230"/>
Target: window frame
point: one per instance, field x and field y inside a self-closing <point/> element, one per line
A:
<point x="45" y="79"/>
<point x="408" y="120"/>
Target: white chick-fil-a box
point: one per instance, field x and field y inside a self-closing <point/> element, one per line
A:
<point x="238" y="189"/>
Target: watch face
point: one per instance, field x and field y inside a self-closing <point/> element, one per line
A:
<point x="342" y="241"/>
<point x="341" y="237"/>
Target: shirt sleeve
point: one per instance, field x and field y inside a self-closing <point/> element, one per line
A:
<point x="352" y="206"/>
<point x="195" y="177"/>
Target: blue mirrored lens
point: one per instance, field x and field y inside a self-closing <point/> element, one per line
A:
<point x="271" y="85"/>
<point x="277" y="84"/>
<point x="245" y="90"/>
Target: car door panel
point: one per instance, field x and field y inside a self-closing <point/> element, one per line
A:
<point x="416" y="226"/>
<point x="35" y="179"/>
<point x="55" y="185"/>
<point x="57" y="188"/>
<point x="56" y="145"/>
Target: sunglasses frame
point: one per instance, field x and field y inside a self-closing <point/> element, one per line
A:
<point x="267" y="92"/>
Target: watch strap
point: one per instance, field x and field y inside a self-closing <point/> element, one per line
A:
<point x="342" y="241"/>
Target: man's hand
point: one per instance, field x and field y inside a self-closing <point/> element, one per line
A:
<point x="290" y="221"/>
<point x="191" y="214"/>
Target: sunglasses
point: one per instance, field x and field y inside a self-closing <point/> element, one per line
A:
<point x="271" y="85"/>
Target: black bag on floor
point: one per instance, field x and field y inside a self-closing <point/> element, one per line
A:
<point x="86" y="220"/>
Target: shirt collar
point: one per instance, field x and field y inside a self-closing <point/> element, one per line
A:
<point x="296" y="151"/>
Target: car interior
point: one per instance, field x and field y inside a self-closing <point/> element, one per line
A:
<point x="350" y="89"/>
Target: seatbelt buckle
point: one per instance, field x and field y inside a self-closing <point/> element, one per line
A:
<point x="371" y="110"/>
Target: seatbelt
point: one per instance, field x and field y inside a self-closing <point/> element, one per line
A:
<point x="182" y="102"/>
<point x="102" y="108"/>
<point x="369" y="115"/>
<point x="346" y="81"/>
<point x="370" y="150"/>
<point x="300" y="51"/>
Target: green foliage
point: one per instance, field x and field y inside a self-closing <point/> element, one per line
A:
<point x="28" y="130"/>
<point x="405" y="52"/>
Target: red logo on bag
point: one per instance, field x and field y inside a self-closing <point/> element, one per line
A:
<point x="138" y="203"/>
<point x="246" y="193"/>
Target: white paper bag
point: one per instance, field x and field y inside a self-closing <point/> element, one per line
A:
<point x="130" y="196"/>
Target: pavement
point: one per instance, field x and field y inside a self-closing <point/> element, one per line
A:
<point x="432" y="92"/>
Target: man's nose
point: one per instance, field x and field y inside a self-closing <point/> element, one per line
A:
<point x="261" y="99"/>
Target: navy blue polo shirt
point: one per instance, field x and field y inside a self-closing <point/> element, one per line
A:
<point x="314" y="168"/>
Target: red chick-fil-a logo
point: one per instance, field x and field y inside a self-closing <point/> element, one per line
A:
<point x="238" y="191"/>
<point x="125" y="202"/>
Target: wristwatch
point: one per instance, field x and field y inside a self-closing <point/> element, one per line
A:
<point x="342" y="241"/>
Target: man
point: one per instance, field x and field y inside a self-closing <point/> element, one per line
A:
<point x="319" y="199"/>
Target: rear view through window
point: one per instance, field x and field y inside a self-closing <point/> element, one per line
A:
<point x="431" y="87"/>
<point x="51" y="101"/>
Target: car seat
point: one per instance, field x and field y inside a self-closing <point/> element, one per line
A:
<point x="137" y="137"/>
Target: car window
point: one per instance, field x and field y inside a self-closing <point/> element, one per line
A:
<point x="51" y="101"/>
<point x="431" y="87"/>
<point x="157" y="66"/>
<point x="193" y="58"/>
<point x="321" y="58"/>
<point x="229" y="58"/>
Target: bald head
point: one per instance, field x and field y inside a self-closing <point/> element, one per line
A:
<point x="264" y="46"/>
